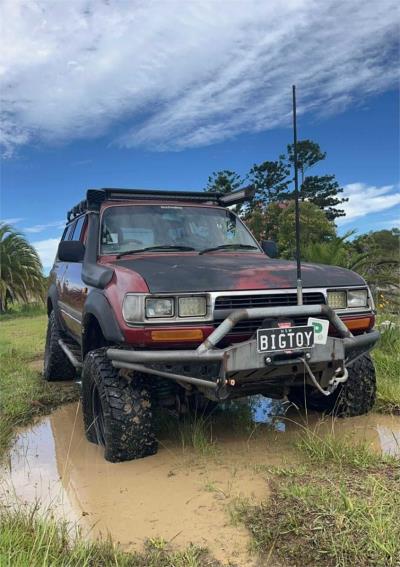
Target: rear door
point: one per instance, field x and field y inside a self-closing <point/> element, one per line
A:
<point x="58" y="272"/>
<point x="73" y="289"/>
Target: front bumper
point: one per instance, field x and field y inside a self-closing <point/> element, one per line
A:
<point x="240" y="367"/>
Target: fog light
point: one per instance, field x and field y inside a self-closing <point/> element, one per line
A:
<point x="337" y="299"/>
<point x="192" y="306"/>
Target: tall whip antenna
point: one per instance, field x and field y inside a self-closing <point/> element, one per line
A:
<point x="296" y="198"/>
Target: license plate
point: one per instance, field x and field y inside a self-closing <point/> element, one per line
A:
<point x="285" y="339"/>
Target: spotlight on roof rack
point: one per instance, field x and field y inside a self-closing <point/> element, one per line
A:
<point x="238" y="196"/>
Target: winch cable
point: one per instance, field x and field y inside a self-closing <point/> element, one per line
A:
<point x="334" y="382"/>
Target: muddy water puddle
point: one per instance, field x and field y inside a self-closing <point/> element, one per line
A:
<point x="179" y="494"/>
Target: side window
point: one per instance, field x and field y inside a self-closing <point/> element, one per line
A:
<point x="64" y="234"/>
<point x="68" y="231"/>
<point x="76" y="235"/>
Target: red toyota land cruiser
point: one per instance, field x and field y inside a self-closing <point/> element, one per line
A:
<point x="154" y="293"/>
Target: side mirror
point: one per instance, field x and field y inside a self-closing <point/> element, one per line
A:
<point x="269" y="248"/>
<point x="71" y="251"/>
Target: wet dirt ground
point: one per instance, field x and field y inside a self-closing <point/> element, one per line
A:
<point x="179" y="494"/>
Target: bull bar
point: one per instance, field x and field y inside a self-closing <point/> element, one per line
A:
<point x="241" y="358"/>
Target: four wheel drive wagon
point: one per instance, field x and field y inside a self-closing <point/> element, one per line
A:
<point x="166" y="298"/>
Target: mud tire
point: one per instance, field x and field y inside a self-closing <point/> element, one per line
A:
<point x="56" y="364"/>
<point x="116" y="412"/>
<point x="355" y="397"/>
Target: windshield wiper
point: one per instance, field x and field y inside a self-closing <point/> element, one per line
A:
<point x="229" y="247"/>
<point x="155" y="248"/>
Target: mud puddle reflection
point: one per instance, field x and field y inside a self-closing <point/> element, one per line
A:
<point x="177" y="494"/>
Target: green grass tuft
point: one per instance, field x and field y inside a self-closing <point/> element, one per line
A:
<point x="24" y="393"/>
<point x="328" y="518"/>
<point x="196" y="432"/>
<point x="30" y="540"/>
<point x="322" y="449"/>
<point x="387" y="364"/>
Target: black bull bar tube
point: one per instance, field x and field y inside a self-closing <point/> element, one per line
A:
<point x="344" y="348"/>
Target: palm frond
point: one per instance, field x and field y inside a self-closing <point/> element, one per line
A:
<point x="21" y="277"/>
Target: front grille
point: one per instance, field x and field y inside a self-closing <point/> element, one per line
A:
<point x="270" y="300"/>
<point x="226" y="303"/>
<point x="248" y="327"/>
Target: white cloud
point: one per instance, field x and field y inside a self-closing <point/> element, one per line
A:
<point x="47" y="250"/>
<point x="42" y="227"/>
<point x="366" y="199"/>
<point x="13" y="220"/>
<point x="172" y="74"/>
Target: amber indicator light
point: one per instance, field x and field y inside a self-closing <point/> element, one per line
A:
<point x="180" y="335"/>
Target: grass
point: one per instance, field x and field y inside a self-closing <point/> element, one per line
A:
<point x="321" y="450"/>
<point x="340" y="507"/>
<point x="329" y="519"/>
<point x="196" y="432"/>
<point x="24" y="395"/>
<point x="23" y="310"/>
<point x="387" y="363"/>
<point x="29" y="540"/>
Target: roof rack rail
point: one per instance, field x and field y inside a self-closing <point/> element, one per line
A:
<point x="95" y="197"/>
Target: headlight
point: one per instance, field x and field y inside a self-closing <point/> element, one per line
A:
<point x="357" y="298"/>
<point x="159" y="307"/>
<point x="192" y="306"/>
<point x="132" y="308"/>
<point x="351" y="298"/>
<point x="337" y="299"/>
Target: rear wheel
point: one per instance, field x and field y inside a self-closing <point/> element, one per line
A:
<point x="56" y="364"/>
<point x="116" y="411"/>
<point x="354" y="397"/>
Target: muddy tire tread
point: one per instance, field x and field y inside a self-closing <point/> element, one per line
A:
<point x="355" y="397"/>
<point x="58" y="366"/>
<point x="126" y="407"/>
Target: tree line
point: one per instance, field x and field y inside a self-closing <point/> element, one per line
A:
<point x="270" y="214"/>
<point x="273" y="181"/>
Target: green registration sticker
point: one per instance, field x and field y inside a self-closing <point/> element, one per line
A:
<point x="321" y="328"/>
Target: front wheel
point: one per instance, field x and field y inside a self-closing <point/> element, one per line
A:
<point x="116" y="410"/>
<point x="354" y="397"/>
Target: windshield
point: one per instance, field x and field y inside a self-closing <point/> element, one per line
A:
<point x="134" y="227"/>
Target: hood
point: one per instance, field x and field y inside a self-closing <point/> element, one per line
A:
<point x="169" y="273"/>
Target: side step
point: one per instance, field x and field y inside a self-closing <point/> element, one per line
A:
<point x="72" y="351"/>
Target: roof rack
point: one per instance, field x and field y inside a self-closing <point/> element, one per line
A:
<point x="95" y="197"/>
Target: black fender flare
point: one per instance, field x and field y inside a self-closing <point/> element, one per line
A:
<point x="97" y="305"/>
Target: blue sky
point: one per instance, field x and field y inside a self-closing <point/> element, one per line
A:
<point x="160" y="94"/>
